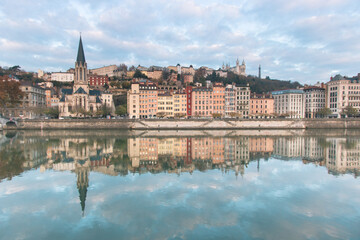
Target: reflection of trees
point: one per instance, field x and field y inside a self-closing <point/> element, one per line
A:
<point x="349" y="144"/>
<point x="121" y="163"/>
<point x="201" y="165"/>
<point x="11" y="162"/>
<point x="323" y="143"/>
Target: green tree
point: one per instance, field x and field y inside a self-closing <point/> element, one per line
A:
<point x="165" y="75"/>
<point x="350" y="111"/>
<point x="200" y="75"/>
<point x="139" y="74"/>
<point x="52" y="112"/>
<point x="324" y="112"/>
<point x="126" y="85"/>
<point x="121" y="110"/>
<point x="104" y="111"/>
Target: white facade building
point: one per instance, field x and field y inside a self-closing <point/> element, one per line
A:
<point x="314" y="101"/>
<point x="289" y="103"/>
<point x="343" y="92"/>
<point x="62" y="77"/>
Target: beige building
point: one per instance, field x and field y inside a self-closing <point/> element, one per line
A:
<point x="343" y="92"/>
<point x="261" y="105"/>
<point x="106" y="70"/>
<point x="289" y="103"/>
<point x="34" y="96"/>
<point x="165" y="105"/>
<point x="242" y="101"/>
<point x="142" y="100"/>
<point x="230" y="103"/>
<point x="62" y="77"/>
<point x="153" y="74"/>
<point x="179" y="101"/>
<point x="314" y="100"/>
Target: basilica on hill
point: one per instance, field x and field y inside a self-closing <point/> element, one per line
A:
<point x="80" y="99"/>
<point x="238" y="69"/>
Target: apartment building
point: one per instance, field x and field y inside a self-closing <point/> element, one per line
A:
<point x="202" y="102"/>
<point x="219" y="100"/>
<point x="261" y="105"/>
<point x="142" y="100"/>
<point x="289" y="103"/>
<point x="34" y="95"/>
<point x="242" y="100"/>
<point x="343" y="92"/>
<point x="230" y="108"/>
<point x="314" y="100"/>
<point x="97" y="80"/>
<point x="179" y="102"/>
<point x="165" y="105"/>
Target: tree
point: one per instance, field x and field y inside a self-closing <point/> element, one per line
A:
<point x="324" y="112"/>
<point x="121" y="110"/>
<point x="216" y="115"/>
<point x="104" y="111"/>
<point x="126" y="85"/>
<point x="120" y="100"/>
<point x="122" y="67"/>
<point x="165" y="75"/>
<point x="200" y="75"/>
<point x="10" y="93"/>
<point x="52" y="112"/>
<point x="113" y="83"/>
<point x="350" y="111"/>
<point x="161" y="114"/>
<point x="139" y="74"/>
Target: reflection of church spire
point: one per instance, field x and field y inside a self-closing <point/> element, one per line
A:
<point x="82" y="185"/>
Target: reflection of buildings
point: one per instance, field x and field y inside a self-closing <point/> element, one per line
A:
<point x="261" y="146"/>
<point x="188" y="153"/>
<point x="343" y="155"/>
<point x="82" y="174"/>
<point x="313" y="150"/>
<point x="288" y="147"/>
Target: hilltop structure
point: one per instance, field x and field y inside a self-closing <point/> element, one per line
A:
<point x="80" y="99"/>
<point x="238" y="69"/>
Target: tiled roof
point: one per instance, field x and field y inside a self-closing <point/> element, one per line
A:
<point x="67" y="91"/>
<point x="94" y="92"/>
<point x="81" y="91"/>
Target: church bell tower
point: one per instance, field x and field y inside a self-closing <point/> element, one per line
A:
<point x="80" y="79"/>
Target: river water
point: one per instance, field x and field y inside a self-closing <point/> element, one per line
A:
<point x="179" y="185"/>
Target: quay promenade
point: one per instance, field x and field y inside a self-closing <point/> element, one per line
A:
<point x="187" y="124"/>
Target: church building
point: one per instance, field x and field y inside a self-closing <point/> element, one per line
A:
<point x="81" y="99"/>
<point x="238" y="69"/>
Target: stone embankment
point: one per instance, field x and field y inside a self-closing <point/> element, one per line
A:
<point x="191" y="124"/>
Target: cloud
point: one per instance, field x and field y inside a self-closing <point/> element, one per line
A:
<point x="304" y="41"/>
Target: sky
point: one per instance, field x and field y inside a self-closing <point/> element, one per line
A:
<point x="305" y="41"/>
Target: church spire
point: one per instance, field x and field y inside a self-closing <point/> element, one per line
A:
<point x="80" y="56"/>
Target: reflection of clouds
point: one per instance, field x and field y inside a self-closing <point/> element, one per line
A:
<point x="294" y="202"/>
<point x="12" y="190"/>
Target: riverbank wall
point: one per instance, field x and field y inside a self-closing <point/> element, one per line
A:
<point x="187" y="124"/>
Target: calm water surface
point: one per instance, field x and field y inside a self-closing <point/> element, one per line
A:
<point x="171" y="185"/>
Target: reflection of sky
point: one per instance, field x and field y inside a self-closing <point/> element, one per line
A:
<point x="284" y="200"/>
